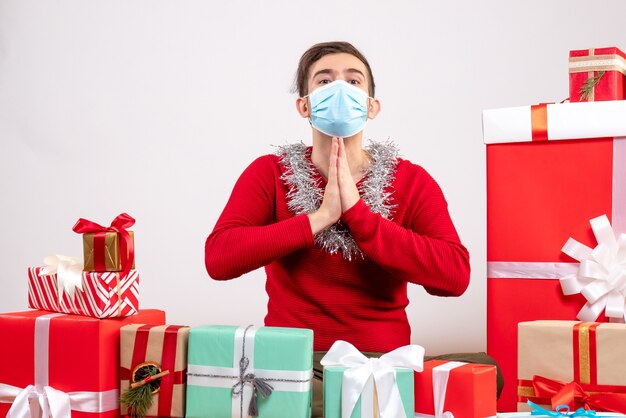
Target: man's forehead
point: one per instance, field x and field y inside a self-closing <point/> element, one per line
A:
<point x="341" y="62"/>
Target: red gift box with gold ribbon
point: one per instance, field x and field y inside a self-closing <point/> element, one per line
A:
<point x="163" y="349"/>
<point x="597" y="74"/>
<point x="579" y="364"/>
<point x="67" y="365"/>
<point x="550" y="169"/>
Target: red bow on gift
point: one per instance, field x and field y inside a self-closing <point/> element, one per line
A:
<point x="119" y="225"/>
<point x="573" y="395"/>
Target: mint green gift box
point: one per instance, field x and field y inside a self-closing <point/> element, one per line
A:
<point x="281" y="356"/>
<point x="333" y="376"/>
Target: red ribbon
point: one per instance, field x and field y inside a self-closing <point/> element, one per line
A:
<point x="168" y="361"/>
<point x="573" y="395"/>
<point x="119" y="225"/>
<point x="539" y="122"/>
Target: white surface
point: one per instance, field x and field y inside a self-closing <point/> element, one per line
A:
<point x="154" y="107"/>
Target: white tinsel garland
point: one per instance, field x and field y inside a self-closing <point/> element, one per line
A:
<point x="305" y="193"/>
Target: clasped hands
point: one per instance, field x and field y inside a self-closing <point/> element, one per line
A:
<point x="341" y="192"/>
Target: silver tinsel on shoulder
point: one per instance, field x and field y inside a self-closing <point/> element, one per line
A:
<point x="305" y="193"/>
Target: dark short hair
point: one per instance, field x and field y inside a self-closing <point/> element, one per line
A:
<point x="316" y="52"/>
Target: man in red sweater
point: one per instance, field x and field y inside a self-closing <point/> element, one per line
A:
<point x="340" y="229"/>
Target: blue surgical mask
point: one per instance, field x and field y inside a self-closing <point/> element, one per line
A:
<point x="338" y="109"/>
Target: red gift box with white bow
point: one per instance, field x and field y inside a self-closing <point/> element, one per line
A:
<point x="67" y="365"/>
<point x="550" y="170"/>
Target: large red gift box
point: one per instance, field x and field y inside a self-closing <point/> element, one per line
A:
<point x="63" y="360"/>
<point x="604" y="66"/>
<point x="548" y="173"/>
<point x="103" y="294"/>
<point x="469" y="390"/>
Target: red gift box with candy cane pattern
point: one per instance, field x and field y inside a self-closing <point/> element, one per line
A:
<point x="550" y="170"/>
<point x="99" y="295"/>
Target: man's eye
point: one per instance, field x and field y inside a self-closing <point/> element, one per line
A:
<point x="353" y="82"/>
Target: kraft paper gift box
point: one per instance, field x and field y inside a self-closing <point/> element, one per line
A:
<point x="597" y="74"/>
<point x="359" y="387"/>
<point x="67" y="362"/>
<point x="465" y="390"/>
<point x="163" y="348"/>
<point x="107" y="248"/>
<point x="281" y="358"/>
<point x="553" y="354"/>
<point x="550" y="170"/>
<point x="100" y="295"/>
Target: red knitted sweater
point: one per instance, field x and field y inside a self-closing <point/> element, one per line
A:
<point x="360" y="301"/>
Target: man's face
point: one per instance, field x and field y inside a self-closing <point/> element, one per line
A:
<point x="340" y="66"/>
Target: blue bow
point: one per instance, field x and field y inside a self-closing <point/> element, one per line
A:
<point x="561" y="411"/>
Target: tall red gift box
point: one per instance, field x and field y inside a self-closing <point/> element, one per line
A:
<point x="65" y="359"/>
<point x="470" y="389"/>
<point x="604" y="68"/>
<point x="550" y="169"/>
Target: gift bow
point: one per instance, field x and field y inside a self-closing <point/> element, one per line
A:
<point x="573" y="395"/>
<point x="119" y="225"/>
<point x="69" y="271"/>
<point x="382" y="370"/>
<point x="601" y="277"/>
<point x="560" y="411"/>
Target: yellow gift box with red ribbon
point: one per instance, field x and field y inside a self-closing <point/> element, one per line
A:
<point x="579" y="364"/>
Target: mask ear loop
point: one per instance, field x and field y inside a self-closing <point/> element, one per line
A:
<point x="308" y="106"/>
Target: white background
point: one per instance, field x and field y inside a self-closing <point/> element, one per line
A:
<point x="155" y="107"/>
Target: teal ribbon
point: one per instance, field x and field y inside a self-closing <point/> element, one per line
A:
<point x="561" y="411"/>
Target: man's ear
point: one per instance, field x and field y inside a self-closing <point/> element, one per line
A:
<point x="302" y="105"/>
<point x="373" y="108"/>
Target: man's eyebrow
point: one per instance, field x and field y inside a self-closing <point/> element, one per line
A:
<point x="329" y="71"/>
<point x="324" y="71"/>
<point x="355" y="70"/>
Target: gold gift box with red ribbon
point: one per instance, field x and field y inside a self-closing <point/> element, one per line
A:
<point x="101" y="251"/>
<point x="163" y="349"/>
<point x="597" y="74"/>
<point x="579" y="364"/>
<point x="109" y="248"/>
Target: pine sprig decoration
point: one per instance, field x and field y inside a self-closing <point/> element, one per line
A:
<point x="586" y="90"/>
<point x="139" y="399"/>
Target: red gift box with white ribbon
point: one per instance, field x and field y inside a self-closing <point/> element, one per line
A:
<point x="53" y="364"/>
<point x="454" y="388"/>
<point x="550" y="170"/>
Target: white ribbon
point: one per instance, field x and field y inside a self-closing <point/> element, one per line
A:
<point x="43" y="401"/>
<point x="382" y="370"/>
<point x="601" y="277"/>
<point x="441" y="374"/>
<point x="69" y="271"/>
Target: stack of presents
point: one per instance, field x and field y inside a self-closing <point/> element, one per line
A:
<point x="556" y="213"/>
<point x="556" y="243"/>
